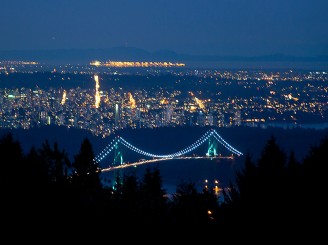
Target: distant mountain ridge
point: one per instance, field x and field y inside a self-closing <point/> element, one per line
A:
<point x="84" y="56"/>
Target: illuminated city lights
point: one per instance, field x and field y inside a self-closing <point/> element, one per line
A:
<point x="64" y="98"/>
<point x="295" y="98"/>
<point x="132" y="101"/>
<point x="136" y="64"/>
<point x="97" y="95"/>
<point x="199" y="102"/>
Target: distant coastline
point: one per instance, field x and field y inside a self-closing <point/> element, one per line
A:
<point x="289" y="125"/>
<point x="84" y="56"/>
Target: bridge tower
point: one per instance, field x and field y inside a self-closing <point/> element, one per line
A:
<point x="212" y="145"/>
<point x="118" y="160"/>
<point x="118" y="155"/>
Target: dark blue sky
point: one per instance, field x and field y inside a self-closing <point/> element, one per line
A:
<point x="215" y="27"/>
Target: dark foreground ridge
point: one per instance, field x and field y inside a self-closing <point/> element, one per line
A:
<point x="45" y="185"/>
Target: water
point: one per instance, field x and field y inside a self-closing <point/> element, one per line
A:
<point x="287" y="125"/>
<point x="197" y="171"/>
<point x="272" y="65"/>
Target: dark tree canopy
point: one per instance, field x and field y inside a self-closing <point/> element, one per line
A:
<point x="271" y="190"/>
<point x="87" y="171"/>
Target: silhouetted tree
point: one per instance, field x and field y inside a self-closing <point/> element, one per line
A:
<point x="315" y="162"/>
<point x="292" y="165"/>
<point x="37" y="170"/>
<point x="271" y="179"/>
<point x="11" y="164"/>
<point x="246" y="179"/>
<point x="130" y="198"/>
<point x="313" y="182"/>
<point x="272" y="160"/>
<point x="210" y="203"/>
<point x="87" y="191"/>
<point x="153" y="200"/>
<point x="18" y="197"/>
<point x="87" y="171"/>
<point x="185" y="204"/>
<point x="57" y="162"/>
<point x="260" y="190"/>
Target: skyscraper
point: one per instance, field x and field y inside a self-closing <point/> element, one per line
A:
<point x="97" y="95"/>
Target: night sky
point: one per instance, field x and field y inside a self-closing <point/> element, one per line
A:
<point x="200" y="27"/>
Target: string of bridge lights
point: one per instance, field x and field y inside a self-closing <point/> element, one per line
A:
<point x="111" y="146"/>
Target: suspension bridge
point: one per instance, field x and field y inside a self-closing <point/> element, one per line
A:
<point x="211" y="136"/>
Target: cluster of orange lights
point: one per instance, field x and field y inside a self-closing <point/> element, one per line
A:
<point x="136" y="64"/>
<point x="64" y="98"/>
<point x="199" y="102"/>
<point x="132" y="101"/>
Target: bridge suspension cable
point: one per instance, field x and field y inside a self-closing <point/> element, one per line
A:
<point x="225" y="144"/>
<point x="186" y="150"/>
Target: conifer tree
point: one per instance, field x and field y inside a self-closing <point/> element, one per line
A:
<point x="87" y="171"/>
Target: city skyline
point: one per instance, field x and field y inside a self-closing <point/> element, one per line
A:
<point x="106" y="103"/>
<point x="166" y="112"/>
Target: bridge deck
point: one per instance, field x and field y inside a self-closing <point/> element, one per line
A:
<point x="163" y="159"/>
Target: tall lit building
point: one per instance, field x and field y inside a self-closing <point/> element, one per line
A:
<point x="97" y="95"/>
<point x="201" y="119"/>
<point x="118" y="108"/>
<point x="167" y="115"/>
<point x="237" y="117"/>
<point x="210" y="119"/>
